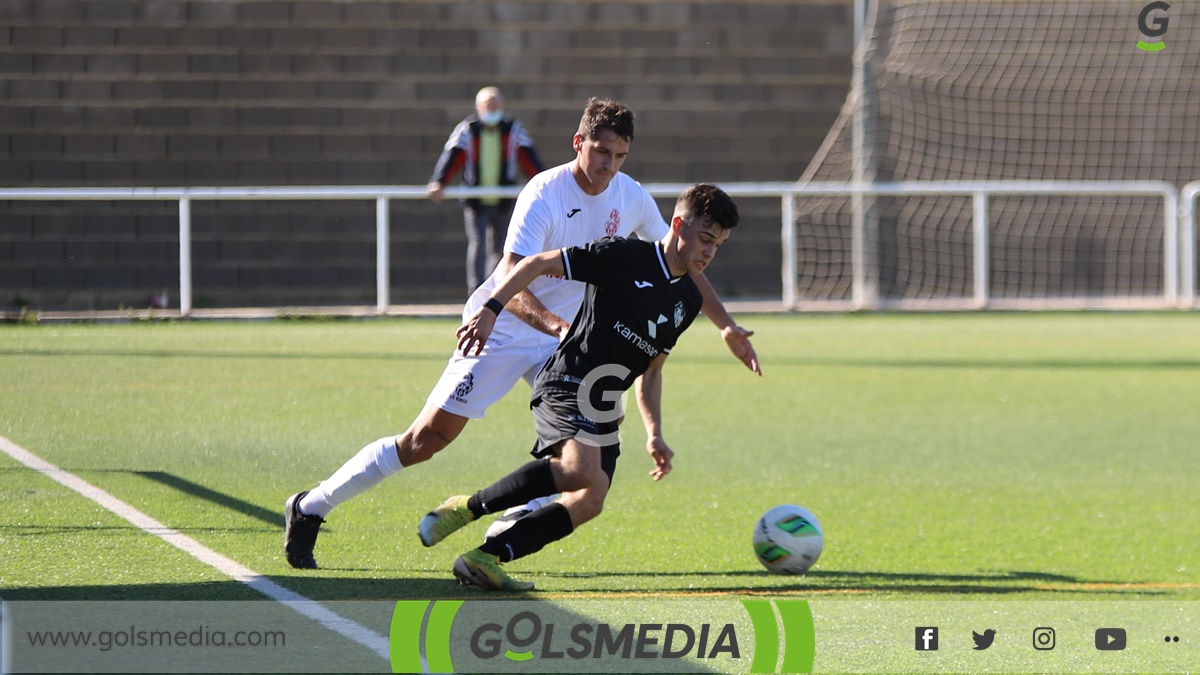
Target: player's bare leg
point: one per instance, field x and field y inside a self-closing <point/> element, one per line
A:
<point x="585" y="504"/>
<point x="576" y="469"/>
<point x="429" y="434"/>
<point x="432" y="431"/>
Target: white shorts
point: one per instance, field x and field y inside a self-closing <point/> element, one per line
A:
<point x="471" y="384"/>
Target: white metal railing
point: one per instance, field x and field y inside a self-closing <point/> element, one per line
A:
<point x="1178" y="224"/>
<point x="980" y="192"/>
<point x="185" y="195"/>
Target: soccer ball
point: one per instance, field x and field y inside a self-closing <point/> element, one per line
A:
<point x="788" y="539"/>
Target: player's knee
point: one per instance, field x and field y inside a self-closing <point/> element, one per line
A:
<point x="432" y="431"/>
<point x="593" y="505"/>
<point x="583" y="515"/>
<point x="585" y="505"/>
<point x="579" y="476"/>
<point x="420" y="444"/>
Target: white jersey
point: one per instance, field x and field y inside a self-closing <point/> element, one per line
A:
<point x="553" y="212"/>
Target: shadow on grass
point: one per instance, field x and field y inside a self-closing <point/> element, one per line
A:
<point x="177" y="354"/>
<point x="953" y="363"/>
<point x="849" y="582"/>
<point x="193" y="489"/>
<point x="310" y="586"/>
<point x="436" y="584"/>
<point x="219" y="498"/>
<point x="116" y="530"/>
<point x="895" y="577"/>
<point x="777" y="360"/>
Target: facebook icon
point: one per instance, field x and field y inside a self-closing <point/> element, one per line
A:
<point x="927" y="639"/>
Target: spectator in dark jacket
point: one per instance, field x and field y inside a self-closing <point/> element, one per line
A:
<point x="487" y="148"/>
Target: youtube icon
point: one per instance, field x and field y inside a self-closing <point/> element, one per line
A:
<point x="1110" y="639"/>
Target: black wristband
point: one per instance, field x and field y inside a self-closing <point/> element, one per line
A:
<point x="494" y="305"/>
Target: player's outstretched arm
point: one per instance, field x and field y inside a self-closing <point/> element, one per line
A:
<point x="648" y="389"/>
<point x="526" y="307"/>
<point x="736" y="337"/>
<point x="473" y="334"/>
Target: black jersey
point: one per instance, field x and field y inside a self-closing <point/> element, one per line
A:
<point x="633" y="311"/>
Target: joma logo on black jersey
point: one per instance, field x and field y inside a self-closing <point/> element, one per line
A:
<point x="637" y="340"/>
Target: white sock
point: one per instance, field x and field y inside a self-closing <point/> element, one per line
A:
<point x="364" y="471"/>
<point x="534" y="504"/>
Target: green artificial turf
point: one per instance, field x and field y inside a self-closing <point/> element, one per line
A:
<point x="975" y="456"/>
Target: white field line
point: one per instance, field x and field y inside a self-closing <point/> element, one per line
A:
<point x="309" y="608"/>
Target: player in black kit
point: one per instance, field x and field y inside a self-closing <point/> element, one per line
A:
<point x="640" y="298"/>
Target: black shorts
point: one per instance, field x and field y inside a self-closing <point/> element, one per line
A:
<point x="556" y="418"/>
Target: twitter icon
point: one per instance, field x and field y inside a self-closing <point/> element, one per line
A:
<point x="984" y="641"/>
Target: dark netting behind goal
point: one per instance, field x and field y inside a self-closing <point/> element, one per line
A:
<point x="1007" y="90"/>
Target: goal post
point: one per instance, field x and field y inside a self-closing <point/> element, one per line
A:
<point x="997" y="93"/>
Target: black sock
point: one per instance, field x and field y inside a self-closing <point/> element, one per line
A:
<point x="526" y="483"/>
<point x="531" y="533"/>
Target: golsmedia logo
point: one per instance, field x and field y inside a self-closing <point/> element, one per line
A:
<point x="587" y="636"/>
<point x="599" y="640"/>
<point x="1153" y="26"/>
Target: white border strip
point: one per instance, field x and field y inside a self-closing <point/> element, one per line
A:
<point x="309" y="608"/>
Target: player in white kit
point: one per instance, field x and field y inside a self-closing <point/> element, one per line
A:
<point x="569" y="205"/>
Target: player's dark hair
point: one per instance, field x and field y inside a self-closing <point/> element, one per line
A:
<point x="603" y="113"/>
<point x="709" y="201"/>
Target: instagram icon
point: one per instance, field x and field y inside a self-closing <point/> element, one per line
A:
<point x="1043" y="638"/>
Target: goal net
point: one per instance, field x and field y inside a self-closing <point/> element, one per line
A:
<point x="1005" y="90"/>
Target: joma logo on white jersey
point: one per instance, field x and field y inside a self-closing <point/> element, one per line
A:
<point x="637" y="340"/>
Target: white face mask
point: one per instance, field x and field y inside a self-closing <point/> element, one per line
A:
<point x="492" y="117"/>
